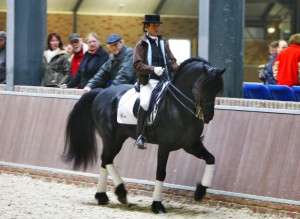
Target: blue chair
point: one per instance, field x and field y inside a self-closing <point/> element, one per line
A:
<point x="257" y="91"/>
<point x="281" y="92"/>
<point x="296" y="90"/>
<point x="245" y="92"/>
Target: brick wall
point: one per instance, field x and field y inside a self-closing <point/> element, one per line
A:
<point x="130" y="28"/>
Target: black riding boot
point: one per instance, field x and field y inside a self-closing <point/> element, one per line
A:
<point x="140" y="131"/>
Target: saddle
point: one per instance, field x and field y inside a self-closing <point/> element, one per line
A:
<point x="130" y="102"/>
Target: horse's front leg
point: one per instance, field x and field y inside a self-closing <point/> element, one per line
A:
<point x="199" y="151"/>
<point x="162" y="159"/>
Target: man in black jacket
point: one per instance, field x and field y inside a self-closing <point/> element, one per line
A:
<point x="118" y="69"/>
<point x="2" y="57"/>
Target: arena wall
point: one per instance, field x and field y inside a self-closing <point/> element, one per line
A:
<point x="256" y="148"/>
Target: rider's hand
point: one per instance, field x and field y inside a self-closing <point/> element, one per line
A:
<point x="158" y="71"/>
<point x="86" y="89"/>
<point x="63" y="86"/>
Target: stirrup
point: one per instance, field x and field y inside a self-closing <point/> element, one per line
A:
<point x="140" y="142"/>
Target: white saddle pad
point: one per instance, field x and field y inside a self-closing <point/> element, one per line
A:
<point x="125" y="109"/>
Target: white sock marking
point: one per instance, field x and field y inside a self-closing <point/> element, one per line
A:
<point x="157" y="194"/>
<point x="114" y="174"/>
<point x="208" y="175"/>
<point x="101" y="187"/>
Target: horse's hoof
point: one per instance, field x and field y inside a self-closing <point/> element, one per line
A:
<point x="158" y="208"/>
<point x="121" y="192"/>
<point x="102" y="198"/>
<point x="200" y="192"/>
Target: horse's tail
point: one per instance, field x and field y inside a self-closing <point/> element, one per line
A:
<point x="80" y="135"/>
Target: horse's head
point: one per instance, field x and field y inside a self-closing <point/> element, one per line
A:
<point x="206" y="83"/>
<point x="205" y="90"/>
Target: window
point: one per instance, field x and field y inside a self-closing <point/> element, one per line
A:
<point x="181" y="49"/>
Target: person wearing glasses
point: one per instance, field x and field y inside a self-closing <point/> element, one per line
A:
<point x="153" y="61"/>
<point x="118" y="69"/>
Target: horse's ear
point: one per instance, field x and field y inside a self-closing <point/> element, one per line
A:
<point x="222" y="71"/>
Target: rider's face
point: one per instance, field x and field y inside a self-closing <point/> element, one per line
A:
<point x="152" y="29"/>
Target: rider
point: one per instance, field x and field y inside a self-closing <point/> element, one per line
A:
<point x="152" y="58"/>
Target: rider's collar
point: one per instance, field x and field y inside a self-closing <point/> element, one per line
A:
<point x="152" y="37"/>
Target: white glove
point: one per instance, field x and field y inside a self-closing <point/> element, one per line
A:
<point x="158" y="71"/>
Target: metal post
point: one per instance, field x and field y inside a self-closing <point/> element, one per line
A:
<point x="203" y="20"/>
<point x="226" y="42"/>
<point x="10" y="46"/>
<point x="26" y="26"/>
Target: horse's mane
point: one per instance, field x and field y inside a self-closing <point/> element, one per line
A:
<point x="192" y="59"/>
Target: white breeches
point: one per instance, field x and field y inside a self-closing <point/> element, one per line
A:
<point x="145" y="93"/>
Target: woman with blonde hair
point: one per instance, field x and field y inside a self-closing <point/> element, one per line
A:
<point x="91" y="62"/>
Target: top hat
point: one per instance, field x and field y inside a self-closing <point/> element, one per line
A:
<point x="152" y="18"/>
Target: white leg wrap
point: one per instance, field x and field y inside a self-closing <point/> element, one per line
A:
<point x="157" y="194"/>
<point x="208" y="175"/>
<point x="101" y="187"/>
<point x="114" y="174"/>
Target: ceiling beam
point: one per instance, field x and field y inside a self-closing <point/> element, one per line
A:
<point x="159" y="6"/>
<point x="77" y="6"/>
<point x="75" y="10"/>
<point x="267" y="11"/>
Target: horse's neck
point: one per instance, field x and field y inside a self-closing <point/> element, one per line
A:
<point x="185" y="85"/>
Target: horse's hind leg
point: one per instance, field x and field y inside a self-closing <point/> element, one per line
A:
<point x="120" y="190"/>
<point x="199" y="151"/>
<point x="110" y="150"/>
<point x="101" y="195"/>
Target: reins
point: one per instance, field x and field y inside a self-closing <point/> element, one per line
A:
<point x="197" y="112"/>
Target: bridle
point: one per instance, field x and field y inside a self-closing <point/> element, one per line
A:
<point x="196" y="109"/>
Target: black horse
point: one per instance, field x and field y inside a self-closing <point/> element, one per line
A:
<point x="187" y="104"/>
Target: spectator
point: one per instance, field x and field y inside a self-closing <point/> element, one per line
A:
<point x="268" y="71"/>
<point x="262" y="69"/>
<point x="119" y="67"/>
<point x="2" y="57"/>
<point x="90" y="64"/>
<point x="286" y="67"/>
<point x="56" y="64"/>
<point x="69" y="49"/>
<point x="152" y="59"/>
<point x="79" y="49"/>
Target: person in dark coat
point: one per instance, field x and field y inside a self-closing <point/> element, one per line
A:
<point x="2" y="57"/>
<point x="91" y="62"/>
<point x="55" y="62"/>
<point x="118" y="69"/>
<point x="152" y="59"/>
